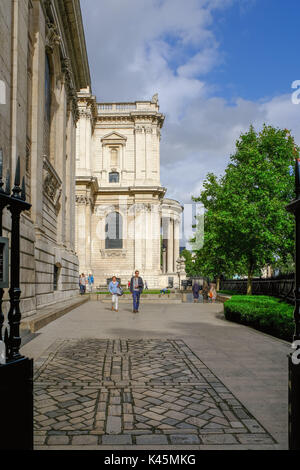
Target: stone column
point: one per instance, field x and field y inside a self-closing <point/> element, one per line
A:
<point x="81" y="232"/>
<point x="176" y="243"/>
<point x="137" y="237"/>
<point x="139" y="153"/>
<point x="38" y="91"/>
<point x="149" y="239"/>
<point x="148" y="153"/>
<point x="84" y="133"/>
<point x="170" y="246"/>
<point x="59" y="162"/>
<point x="164" y="259"/>
<point x="88" y="220"/>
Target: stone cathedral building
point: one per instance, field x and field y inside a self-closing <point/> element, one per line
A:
<point x="43" y="64"/>
<point x="124" y="222"/>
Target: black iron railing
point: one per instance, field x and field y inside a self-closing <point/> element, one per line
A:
<point x="294" y="357"/>
<point x="281" y="288"/>
<point x="15" y="202"/>
<point x="16" y="371"/>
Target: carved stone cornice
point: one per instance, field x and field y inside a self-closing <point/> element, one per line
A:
<point x="53" y="39"/>
<point x="131" y="117"/>
<point x="52" y="184"/>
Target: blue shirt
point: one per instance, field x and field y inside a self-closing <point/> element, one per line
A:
<point x="113" y="287"/>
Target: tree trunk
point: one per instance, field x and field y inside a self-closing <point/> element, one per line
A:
<point x="218" y="284"/>
<point x="249" y="281"/>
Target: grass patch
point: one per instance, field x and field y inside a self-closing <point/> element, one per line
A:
<point x="227" y="292"/>
<point x="264" y="313"/>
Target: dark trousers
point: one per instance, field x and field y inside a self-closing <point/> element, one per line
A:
<point x="136" y="299"/>
<point x="82" y="289"/>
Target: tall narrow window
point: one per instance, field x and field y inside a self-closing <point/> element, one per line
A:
<point x="55" y="277"/>
<point x="114" y="158"/>
<point x="47" y="111"/>
<point x="113" y="231"/>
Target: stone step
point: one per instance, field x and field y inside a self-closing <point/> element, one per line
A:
<point x="145" y="298"/>
<point x="46" y="315"/>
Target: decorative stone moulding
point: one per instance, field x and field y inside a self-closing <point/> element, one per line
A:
<point x="71" y="91"/>
<point x="52" y="184"/>
<point x="81" y="199"/>
<point x="139" y="208"/>
<point x="103" y="210"/>
<point x="111" y="253"/>
<point x="53" y="39"/>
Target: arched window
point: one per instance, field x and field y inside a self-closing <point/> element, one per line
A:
<point x="113" y="231"/>
<point x="114" y="177"/>
<point x="47" y="110"/>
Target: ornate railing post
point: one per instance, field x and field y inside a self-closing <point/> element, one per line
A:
<point x="16" y="373"/>
<point x="294" y="357"/>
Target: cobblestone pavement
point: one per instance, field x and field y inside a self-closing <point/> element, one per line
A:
<point x="128" y="391"/>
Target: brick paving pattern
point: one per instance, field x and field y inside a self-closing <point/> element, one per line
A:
<point x="123" y="392"/>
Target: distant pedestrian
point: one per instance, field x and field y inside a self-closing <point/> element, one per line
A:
<point x="113" y="289"/>
<point x="212" y="293"/>
<point x="90" y="282"/>
<point x="196" y="291"/>
<point x="129" y="285"/>
<point x="82" y="283"/>
<point x="136" y="288"/>
<point x="204" y="292"/>
<point x="164" y="290"/>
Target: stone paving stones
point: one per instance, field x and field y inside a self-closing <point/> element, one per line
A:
<point x="126" y="392"/>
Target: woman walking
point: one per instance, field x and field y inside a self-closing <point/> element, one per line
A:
<point x="113" y="289"/>
<point x="212" y="293"/>
<point x="196" y="290"/>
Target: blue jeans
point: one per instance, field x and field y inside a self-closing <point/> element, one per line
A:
<point x="136" y="299"/>
<point x="82" y="289"/>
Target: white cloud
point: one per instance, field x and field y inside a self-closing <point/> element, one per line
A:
<point x="137" y="48"/>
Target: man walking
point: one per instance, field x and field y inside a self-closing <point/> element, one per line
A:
<point x="136" y="288"/>
<point x="82" y="283"/>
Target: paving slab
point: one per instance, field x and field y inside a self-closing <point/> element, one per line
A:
<point x="169" y="375"/>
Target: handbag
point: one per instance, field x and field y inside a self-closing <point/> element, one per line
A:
<point x="120" y="291"/>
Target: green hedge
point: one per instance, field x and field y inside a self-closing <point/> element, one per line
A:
<point x="264" y="313"/>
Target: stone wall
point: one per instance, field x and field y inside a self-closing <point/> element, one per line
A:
<point x="30" y="30"/>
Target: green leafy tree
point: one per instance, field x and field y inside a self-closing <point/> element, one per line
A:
<point x="246" y="223"/>
<point x="189" y="262"/>
<point x="213" y="259"/>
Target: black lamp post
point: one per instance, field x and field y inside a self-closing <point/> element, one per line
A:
<point x="294" y="357"/>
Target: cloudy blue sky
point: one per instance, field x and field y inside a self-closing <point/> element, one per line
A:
<point x="218" y="66"/>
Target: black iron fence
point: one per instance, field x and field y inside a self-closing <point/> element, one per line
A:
<point x="16" y="371"/>
<point x="281" y="288"/>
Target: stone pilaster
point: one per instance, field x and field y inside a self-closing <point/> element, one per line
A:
<point x="170" y="249"/>
<point x="176" y="243"/>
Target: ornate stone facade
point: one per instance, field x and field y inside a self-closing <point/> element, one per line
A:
<point x="43" y="63"/>
<point x="118" y="175"/>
